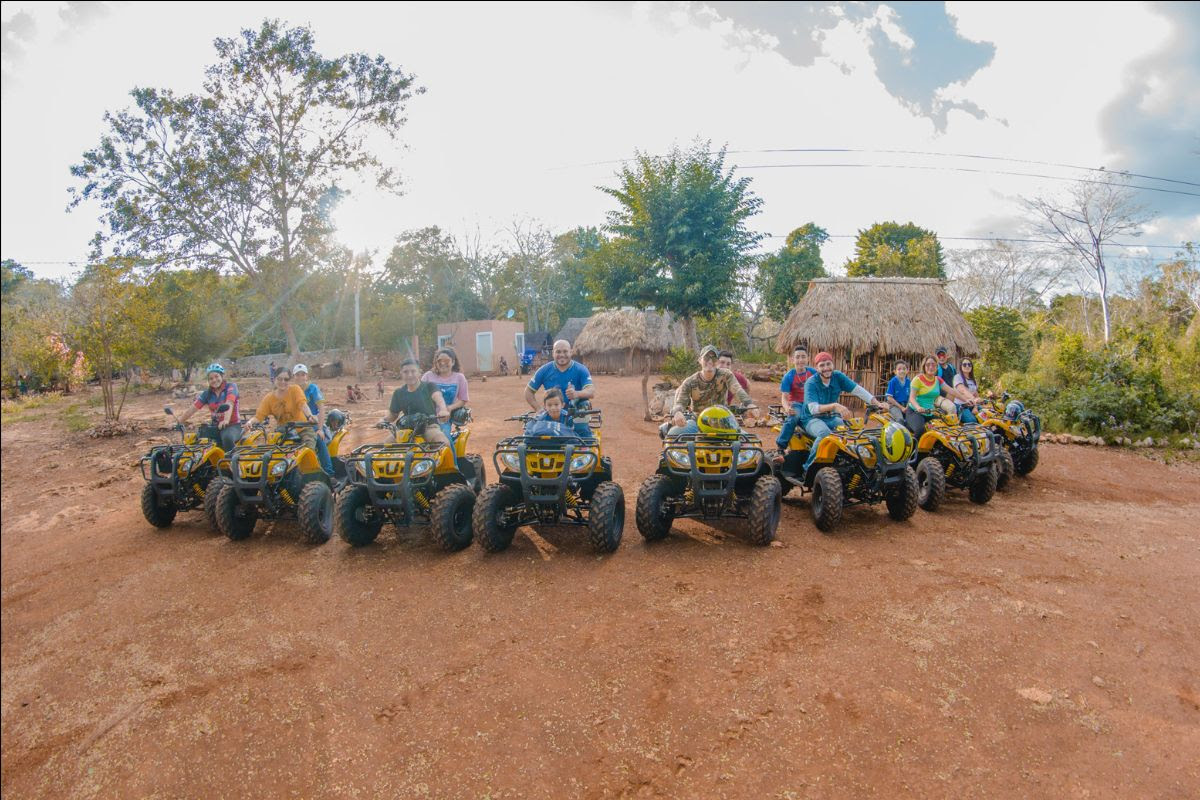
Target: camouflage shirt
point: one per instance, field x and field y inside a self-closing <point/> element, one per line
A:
<point x="697" y="394"/>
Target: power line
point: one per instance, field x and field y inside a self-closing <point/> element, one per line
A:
<point x="994" y="239"/>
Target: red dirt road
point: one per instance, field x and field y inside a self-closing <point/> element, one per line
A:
<point x="1044" y="645"/>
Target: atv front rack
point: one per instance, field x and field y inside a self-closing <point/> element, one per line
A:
<point x="403" y="455"/>
<point x="254" y="490"/>
<point x="709" y="485"/>
<point x="539" y="491"/>
<point x="166" y="484"/>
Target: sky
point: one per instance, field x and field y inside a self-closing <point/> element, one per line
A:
<point x="529" y="108"/>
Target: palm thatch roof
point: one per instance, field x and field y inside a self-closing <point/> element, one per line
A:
<point x="883" y="315"/>
<point x="622" y="331"/>
<point x="572" y="328"/>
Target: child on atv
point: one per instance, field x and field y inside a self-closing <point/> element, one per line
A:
<point x="553" y="417"/>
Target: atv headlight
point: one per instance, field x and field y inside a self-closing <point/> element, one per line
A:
<point x="679" y="458"/>
<point x="511" y="461"/>
<point x="278" y="468"/>
<point x="422" y="467"/>
<point x="186" y="467"/>
<point x="747" y="457"/>
<point x="864" y="452"/>
<point x="582" y="462"/>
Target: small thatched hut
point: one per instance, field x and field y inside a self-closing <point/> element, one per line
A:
<point x="870" y="323"/>
<point x="623" y="341"/>
<point x="572" y="328"/>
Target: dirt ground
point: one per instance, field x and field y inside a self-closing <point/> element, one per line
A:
<point x="1044" y="645"/>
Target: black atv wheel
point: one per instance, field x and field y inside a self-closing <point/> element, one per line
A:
<point x="766" y="504"/>
<point x="492" y="502"/>
<point x="652" y="515"/>
<point x="1005" y="463"/>
<point x="350" y="518"/>
<point x="1026" y="463"/>
<point x="211" y="493"/>
<point x="450" y="517"/>
<point x="983" y="488"/>
<point x="827" y="500"/>
<point x="931" y="484"/>
<point x="234" y="519"/>
<point x="480" y="479"/>
<point x="157" y="514"/>
<point x="902" y="500"/>
<point x="315" y="512"/>
<point x="606" y="519"/>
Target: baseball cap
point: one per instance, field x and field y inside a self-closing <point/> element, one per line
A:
<point x="706" y="350"/>
<point x="296" y="370"/>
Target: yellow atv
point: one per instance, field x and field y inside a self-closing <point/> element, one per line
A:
<point x="409" y="481"/>
<point x="1018" y="430"/>
<point x="180" y="477"/>
<point x="956" y="454"/>
<point x="855" y="465"/>
<point x="716" y="473"/>
<point x="551" y="475"/>
<point x="276" y="479"/>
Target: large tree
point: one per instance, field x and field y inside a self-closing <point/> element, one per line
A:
<point x="239" y="175"/>
<point x="1087" y="218"/>
<point x="889" y="249"/>
<point x="783" y="277"/>
<point x="1002" y="275"/>
<point x="678" y="235"/>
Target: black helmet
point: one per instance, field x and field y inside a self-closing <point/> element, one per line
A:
<point x="335" y="419"/>
<point x="1014" y="410"/>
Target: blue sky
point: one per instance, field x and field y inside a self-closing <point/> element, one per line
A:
<point x="523" y="100"/>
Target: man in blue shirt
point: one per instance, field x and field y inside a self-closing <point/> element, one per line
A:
<point x="313" y="396"/>
<point x="821" y="412"/>
<point x="569" y="377"/>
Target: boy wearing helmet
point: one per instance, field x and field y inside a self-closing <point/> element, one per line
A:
<point x="708" y="387"/>
<point x="218" y="393"/>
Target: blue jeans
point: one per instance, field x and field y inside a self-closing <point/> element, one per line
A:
<point x="787" y="431"/>
<point x="966" y="415"/>
<point x="818" y="428"/>
<point x="322" y="451"/>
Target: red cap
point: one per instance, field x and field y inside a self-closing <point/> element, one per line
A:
<point x="822" y="356"/>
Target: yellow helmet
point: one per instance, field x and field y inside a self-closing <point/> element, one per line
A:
<point x="717" y="421"/>
<point x="896" y="442"/>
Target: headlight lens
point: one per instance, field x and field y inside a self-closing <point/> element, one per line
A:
<point x="510" y="461"/>
<point x="278" y="468"/>
<point x="679" y="458"/>
<point x="864" y="452"/>
<point x="582" y="462"/>
<point x="422" y="467"/>
<point x="186" y="467"/>
<point x="747" y="457"/>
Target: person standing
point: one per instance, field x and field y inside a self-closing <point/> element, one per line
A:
<point x="272" y="371"/>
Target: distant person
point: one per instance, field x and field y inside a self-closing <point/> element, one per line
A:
<point x="503" y="365"/>
<point x="219" y="392"/>
<point x="271" y="371"/>
<point x="569" y="377"/>
<point x="725" y="361"/>
<point x="350" y="394"/>
<point x="379" y="388"/>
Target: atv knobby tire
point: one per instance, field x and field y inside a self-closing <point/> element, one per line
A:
<point x="350" y="520"/>
<point x="234" y="519"/>
<point x="766" y="504"/>
<point x="211" y="493"/>
<point x="983" y="488"/>
<point x="1027" y="463"/>
<point x="827" y="500"/>
<point x="931" y="484"/>
<point x="652" y="517"/>
<point x="1007" y="468"/>
<point x="485" y="519"/>
<point x="606" y="518"/>
<point x="156" y="514"/>
<point x="902" y="501"/>
<point x="480" y="479"/>
<point x="450" y="517"/>
<point x="315" y="512"/>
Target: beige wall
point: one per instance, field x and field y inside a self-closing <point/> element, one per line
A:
<point x="462" y="339"/>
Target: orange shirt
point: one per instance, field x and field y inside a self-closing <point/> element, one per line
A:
<point x="290" y="408"/>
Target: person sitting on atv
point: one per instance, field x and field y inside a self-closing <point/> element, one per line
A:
<point x="313" y="397"/>
<point x="899" y="389"/>
<point x="927" y="392"/>
<point x="569" y="377"/>
<point x="447" y="376"/>
<point x="708" y="387"/>
<point x="725" y="361"/>
<point x="417" y="397"/>
<point x="965" y="382"/>
<point x="286" y="403"/>
<point x="553" y="411"/>
<point x="822" y="412"/>
<point x="219" y="392"/>
<point x="791" y="393"/>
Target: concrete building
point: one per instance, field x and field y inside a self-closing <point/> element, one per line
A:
<point x="480" y="344"/>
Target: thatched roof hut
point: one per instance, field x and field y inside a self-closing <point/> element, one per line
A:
<point x="572" y="328"/>
<point x="870" y="323"/>
<point x="623" y="341"/>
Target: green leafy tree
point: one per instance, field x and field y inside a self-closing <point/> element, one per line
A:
<point x="194" y="326"/>
<point x="889" y="249"/>
<point x="678" y="235"/>
<point x="241" y="175"/>
<point x="32" y="314"/>
<point x="427" y="267"/>
<point x="783" y="277"/>
<point x="1004" y="339"/>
